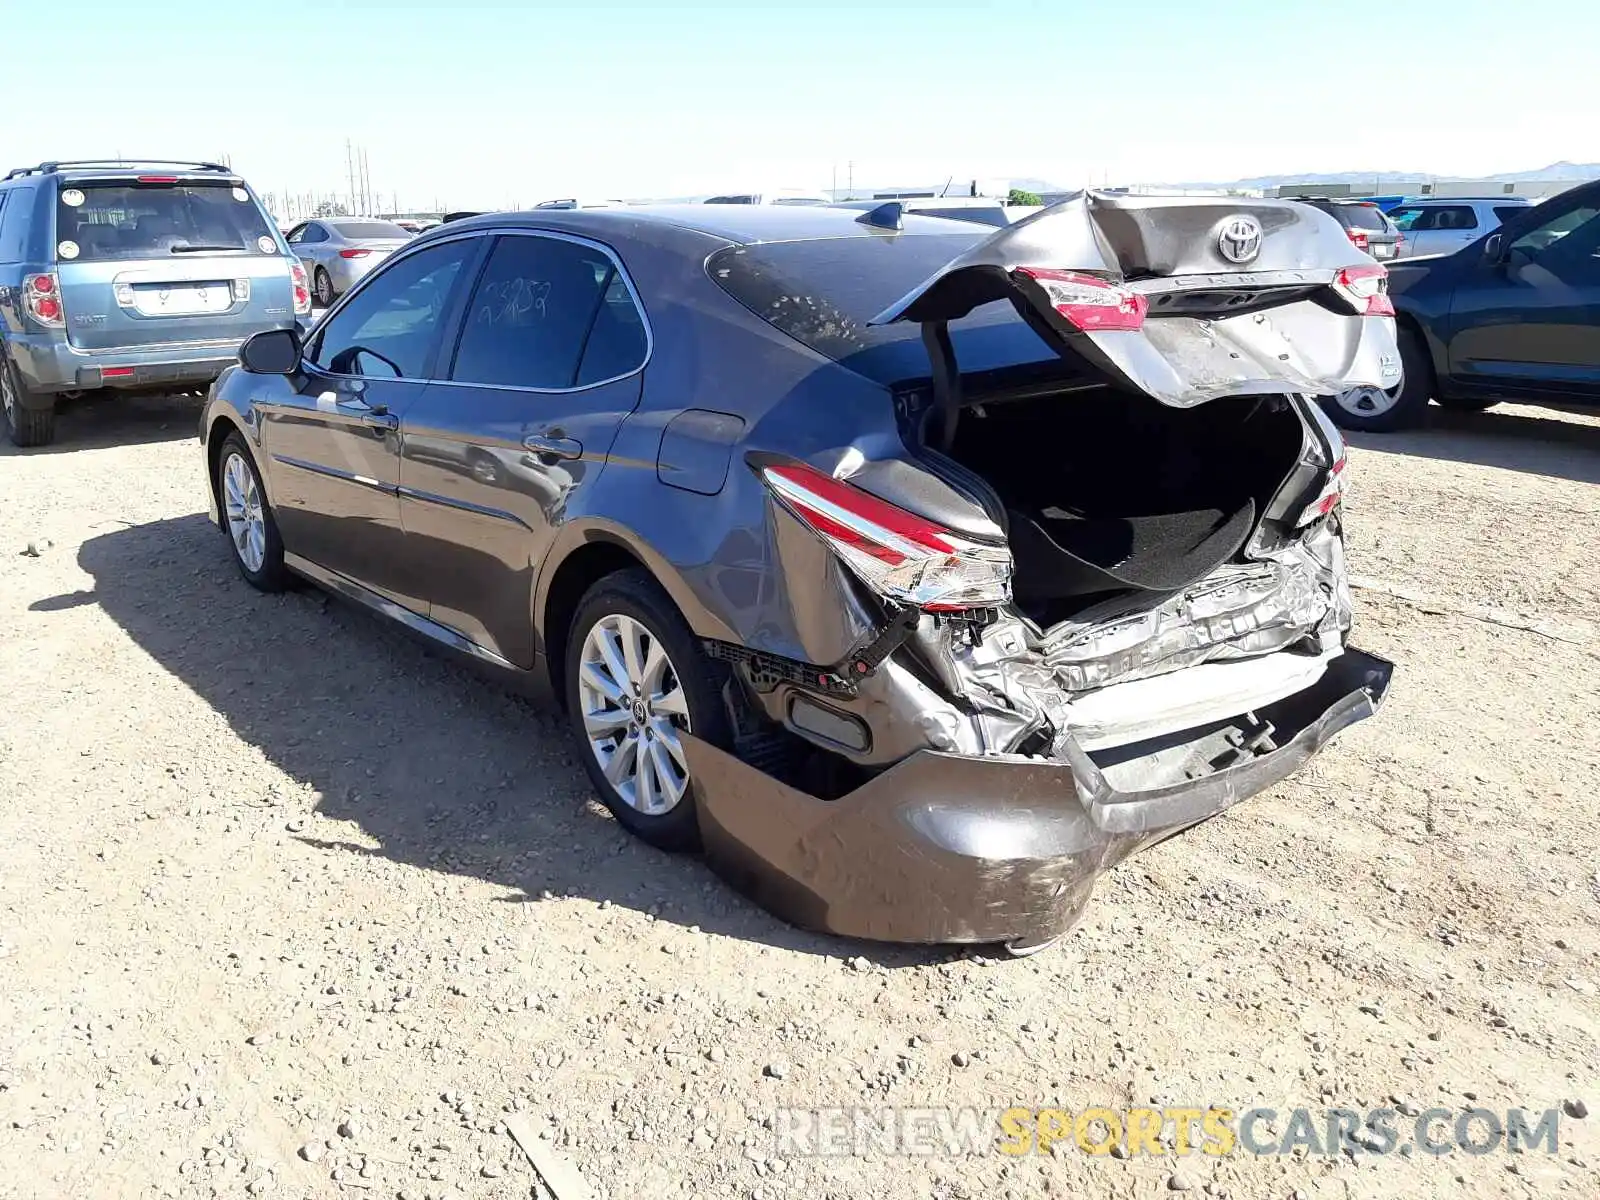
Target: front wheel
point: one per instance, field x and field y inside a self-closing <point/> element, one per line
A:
<point x="1383" y="410"/>
<point x="636" y="681"/>
<point x="247" y="518"/>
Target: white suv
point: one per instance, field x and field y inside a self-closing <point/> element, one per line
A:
<point x="1443" y="225"/>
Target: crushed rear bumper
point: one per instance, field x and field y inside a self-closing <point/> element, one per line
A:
<point x="948" y="847"/>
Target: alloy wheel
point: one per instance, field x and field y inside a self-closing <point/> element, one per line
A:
<point x="324" y="288"/>
<point x="633" y="709"/>
<point x="1368" y="401"/>
<point x="247" y="521"/>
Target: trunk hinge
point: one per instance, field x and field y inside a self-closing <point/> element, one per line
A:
<point x="946" y="380"/>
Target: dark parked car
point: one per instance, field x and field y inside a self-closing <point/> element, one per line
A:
<point x="920" y="575"/>
<point x="1364" y="223"/>
<point x="1513" y="316"/>
<point x="133" y="276"/>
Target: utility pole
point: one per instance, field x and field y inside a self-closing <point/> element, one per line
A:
<point x="850" y="180"/>
<point x="350" y="171"/>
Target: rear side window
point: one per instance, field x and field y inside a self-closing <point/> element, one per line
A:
<point x="98" y="222"/>
<point x="548" y="313"/>
<point x="1509" y="212"/>
<point x="16" y="205"/>
<point x="1456" y="217"/>
<point x="1362" y="216"/>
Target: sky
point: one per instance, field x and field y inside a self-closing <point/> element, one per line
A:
<point x="474" y="103"/>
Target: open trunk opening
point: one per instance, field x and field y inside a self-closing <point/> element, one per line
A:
<point x="1109" y="494"/>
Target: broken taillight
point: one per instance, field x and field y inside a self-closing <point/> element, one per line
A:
<point x="1090" y="303"/>
<point x="1366" y="288"/>
<point x="1329" y="498"/>
<point x="898" y="554"/>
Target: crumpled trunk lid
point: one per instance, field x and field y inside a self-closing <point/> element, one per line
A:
<point x="1235" y="297"/>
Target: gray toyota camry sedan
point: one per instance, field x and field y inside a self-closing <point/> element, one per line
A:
<point x="917" y="571"/>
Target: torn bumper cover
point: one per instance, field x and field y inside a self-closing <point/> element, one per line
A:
<point x="1001" y="848"/>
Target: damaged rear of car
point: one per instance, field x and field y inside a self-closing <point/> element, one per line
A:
<point x="1082" y="573"/>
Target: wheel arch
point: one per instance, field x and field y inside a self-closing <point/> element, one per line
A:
<point x="583" y="556"/>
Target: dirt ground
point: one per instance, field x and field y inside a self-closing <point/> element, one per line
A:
<point x="289" y="905"/>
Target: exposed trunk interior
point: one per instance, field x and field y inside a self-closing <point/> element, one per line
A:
<point x="1109" y="493"/>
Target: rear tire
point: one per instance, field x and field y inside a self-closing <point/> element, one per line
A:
<point x="28" y="426"/>
<point x="632" y="731"/>
<point x="1384" y="410"/>
<point x="322" y="285"/>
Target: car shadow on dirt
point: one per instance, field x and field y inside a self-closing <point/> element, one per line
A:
<point x="98" y="420"/>
<point x="1535" y="441"/>
<point x="441" y="768"/>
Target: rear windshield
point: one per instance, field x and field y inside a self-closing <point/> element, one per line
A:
<point x="1361" y="216"/>
<point x="370" y="229"/>
<point x="99" y="222"/>
<point x="823" y="292"/>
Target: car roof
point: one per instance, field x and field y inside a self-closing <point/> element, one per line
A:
<point x="1408" y="203"/>
<point x="740" y="224"/>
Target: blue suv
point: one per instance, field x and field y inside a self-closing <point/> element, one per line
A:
<point x="131" y="275"/>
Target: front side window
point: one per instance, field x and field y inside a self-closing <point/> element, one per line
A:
<point x="1407" y="220"/>
<point x="1568" y="246"/>
<point x="549" y="314"/>
<point x="98" y="222"/>
<point x="386" y="330"/>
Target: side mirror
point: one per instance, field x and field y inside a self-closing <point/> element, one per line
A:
<point x="271" y="352"/>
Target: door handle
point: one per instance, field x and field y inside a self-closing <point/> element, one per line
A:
<point x="552" y="447"/>
<point x="379" y="419"/>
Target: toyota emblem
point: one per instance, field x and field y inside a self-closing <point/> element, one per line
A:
<point x="1240" y="240"/>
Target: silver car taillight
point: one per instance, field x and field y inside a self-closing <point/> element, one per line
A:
<point x="898" y="554"/>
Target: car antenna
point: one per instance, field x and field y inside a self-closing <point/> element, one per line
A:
<point x="890" y="215"/>
<point x="945" y="191"/>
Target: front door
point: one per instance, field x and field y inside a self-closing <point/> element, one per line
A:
<point x="335" y="444"/>
<point x="1527" y="321"/>
<point x="547" y="367"/>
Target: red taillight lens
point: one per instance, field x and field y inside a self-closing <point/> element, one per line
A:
<point x="41" y="299"/>
<point x="354" y="253"/>
<point x="898" y="554"/>
<point x="1331" y="496"/>
<point x="1358" y="239"/>
<point x="1090" y="303"/>
<point x="1366" y="288"/>
<point x="302" y="289"/>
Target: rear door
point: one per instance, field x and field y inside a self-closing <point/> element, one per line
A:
<point x="166" y="259"/>
<point x="547" y="364"/>
<point x="335" y="444"/>
<point x="1527" y="322"/>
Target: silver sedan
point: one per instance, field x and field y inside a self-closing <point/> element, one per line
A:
<point x="338" y="251"/>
